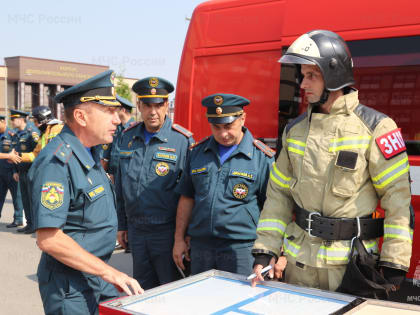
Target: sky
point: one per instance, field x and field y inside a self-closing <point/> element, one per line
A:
<point x="135" y="37"/>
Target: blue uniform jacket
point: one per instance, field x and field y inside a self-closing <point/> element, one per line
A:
<point x="72" y="192"/>
<point x="6" y="145"/>
<point x="148" y="174"/>
<point x="110" y="151"/>
<point x="229" y="197"/>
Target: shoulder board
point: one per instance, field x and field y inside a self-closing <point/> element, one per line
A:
<point x="263" y="147"/>
<point x="295" y="121"/>
<point x="182" y="130"/>
<point x="132" y="126"/>
<point x="370" y="117"/>
<point x="63" y="152"/>
<point x="199" y="142"/>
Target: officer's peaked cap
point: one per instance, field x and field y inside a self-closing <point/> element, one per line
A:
<point x="153" y="89"/>
<point x="224" y="108"/>
<point x="98" y="89"/>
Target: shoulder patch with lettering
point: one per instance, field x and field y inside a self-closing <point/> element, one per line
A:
<point x="391" y="143"/>
<point x="263" y="147"/>
<point x="52" y="195"/>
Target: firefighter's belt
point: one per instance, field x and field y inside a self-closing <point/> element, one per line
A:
<point x="336" y="229"/>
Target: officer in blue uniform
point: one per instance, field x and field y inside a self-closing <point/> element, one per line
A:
<point x="7" y="181"/>
<point x="222" y="191"/>
<point x="74" y="204"/>
<point x="26" y="139"/>
<point x="152" y="158"/>
<point x="110" y="153"/>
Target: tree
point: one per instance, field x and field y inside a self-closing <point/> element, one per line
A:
<point x="122" y="88"/>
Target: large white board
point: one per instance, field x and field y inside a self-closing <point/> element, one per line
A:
<point x="219" y="295"/>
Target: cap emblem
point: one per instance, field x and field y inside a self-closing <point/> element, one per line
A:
<point x="218" y="100"/>
<point x="219" y="110"/>
<point x="153" y="91"/>
<point x="153" y="82"/>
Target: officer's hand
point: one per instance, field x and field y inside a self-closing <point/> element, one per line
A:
<point x="122" y="238"/>
<point x="122" y="282"/>
<point x="257" y="271"/>
<point x="180" y="249"/>
<point x="14" y="157"/>
<point x="16" y="177"/>
<point x="279" y="267"/>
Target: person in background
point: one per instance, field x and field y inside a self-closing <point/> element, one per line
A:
<point x="110" y="155"/>
<point x="26" y="140"/>
<point x="7" y="182"/>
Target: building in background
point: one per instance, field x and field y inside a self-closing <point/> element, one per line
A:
<point x="27" y="82"/>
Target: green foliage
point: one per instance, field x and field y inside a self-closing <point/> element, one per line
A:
<point x="122" y="88"/>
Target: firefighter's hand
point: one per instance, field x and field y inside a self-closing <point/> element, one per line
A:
<point x="16" y="177"/>
<point x="13" y="157"/>
<point x="180" y="250"/>
<point x="257" y="270"/>
<point x="122" y="238"/>
<point x="279" y="267"/>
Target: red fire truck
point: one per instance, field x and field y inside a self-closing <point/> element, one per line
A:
<point x="233" y="46"/>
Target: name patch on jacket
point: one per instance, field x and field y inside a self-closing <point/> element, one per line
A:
<point x="96" y="192"/>
<point x="125" y="153"/>
<point x="165" y="156"/>
<point x="242" y="174"/>
<point x="199" y="170"/>
<point x="391" y="143"/>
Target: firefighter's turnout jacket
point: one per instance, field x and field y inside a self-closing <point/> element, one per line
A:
<point x="50" y="132"/>
<point x="317" y="170"/>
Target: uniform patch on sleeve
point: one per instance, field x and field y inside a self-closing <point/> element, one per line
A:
<point x="391" y="143"/>
<point x="52" y="195"/>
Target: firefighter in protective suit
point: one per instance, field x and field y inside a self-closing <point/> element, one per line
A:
<point x="338" y="159"/>
<point x="49" y="127"/>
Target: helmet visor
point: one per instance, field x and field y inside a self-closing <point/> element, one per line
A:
<point x="288" y="58"/>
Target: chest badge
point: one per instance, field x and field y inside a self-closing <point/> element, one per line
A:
<point x="240" y="191"/>
<point x="52" y="195"/>
<point x="162" y="168"/>
<point x="105" y="147"/>
<point x="130" y="143"/>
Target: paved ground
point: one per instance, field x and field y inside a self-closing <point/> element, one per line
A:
<point x="19" y="257"/>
